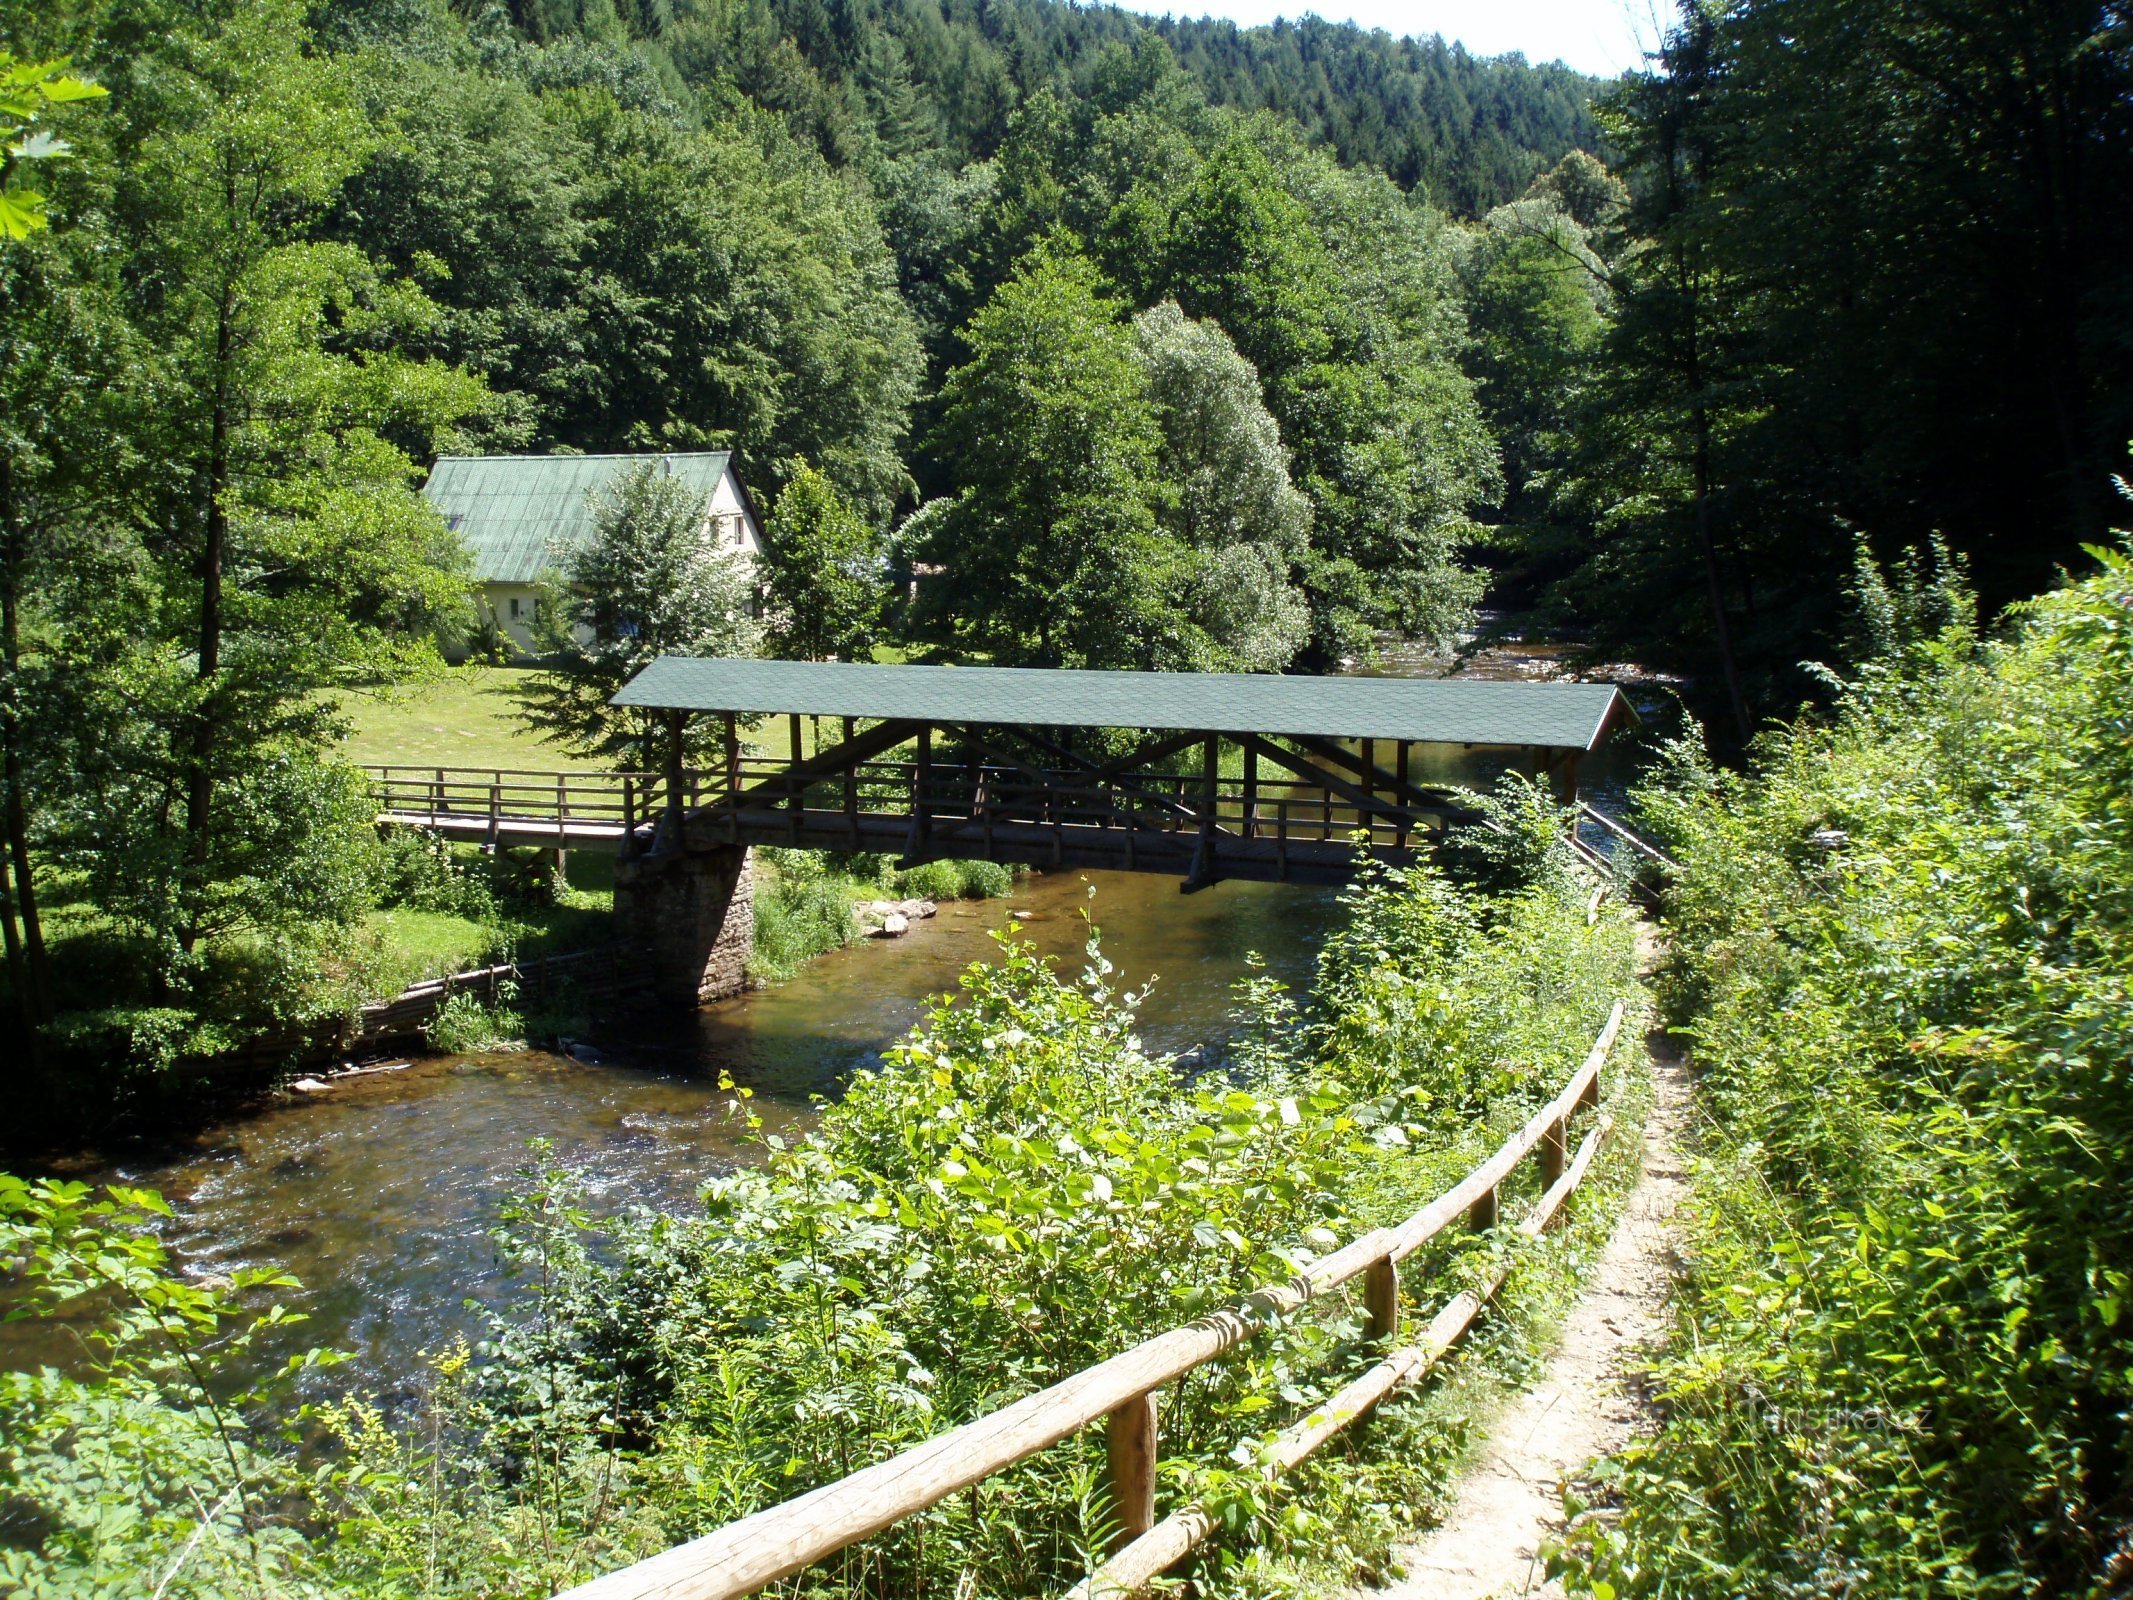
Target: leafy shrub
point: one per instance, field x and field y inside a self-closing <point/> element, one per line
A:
<point x="797" y="919"/>
<point x="1018" y="1191"/>
<point x="956" y="880"/>
<point x="1902" y="951"/>
<point x="466" y="1024"/>
<point x="141" y="1469"/>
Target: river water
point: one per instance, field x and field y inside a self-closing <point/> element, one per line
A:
<point x="379" y="1193"/>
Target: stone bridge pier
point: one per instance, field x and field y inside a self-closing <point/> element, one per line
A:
<point x="688" y="916"/>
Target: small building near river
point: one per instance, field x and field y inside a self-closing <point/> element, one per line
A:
<point x="522" y="516"/>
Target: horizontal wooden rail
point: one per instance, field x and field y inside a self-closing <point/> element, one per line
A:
<point x="743" y="1556"/>
<point x="1634" y="840"/>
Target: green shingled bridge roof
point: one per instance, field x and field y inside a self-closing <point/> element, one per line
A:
<point x="1555" y="716"/>
<point x="521" y="514"/>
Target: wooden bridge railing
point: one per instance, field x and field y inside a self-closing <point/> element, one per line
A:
<point x="953" y="799"/>
<point x="765" y="798"/>
<point x="757" y="1550"/>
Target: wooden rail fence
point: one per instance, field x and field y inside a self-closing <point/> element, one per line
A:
<point x="744" y="1556"/>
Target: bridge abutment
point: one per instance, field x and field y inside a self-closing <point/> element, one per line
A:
<point x="690" y="915"/>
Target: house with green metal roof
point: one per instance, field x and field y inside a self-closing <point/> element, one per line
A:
<point x="522" y="516"/>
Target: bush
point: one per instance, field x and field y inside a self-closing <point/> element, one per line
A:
<point x="955" y="880"/>
<point x="1902" y="950"/>
<point x="1017" y="1192"/>
<point x="150" y="1466"/>
<point x="466" y="1024"/>
<point x="797" y="919"/>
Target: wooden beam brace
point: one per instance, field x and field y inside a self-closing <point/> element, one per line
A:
<point x="883" y="736"/>
<point x="1289" y="761"/>
<point x="1127" y="816"/>
<point x="1115" y="774"/>
<point x="1373" y="776"/>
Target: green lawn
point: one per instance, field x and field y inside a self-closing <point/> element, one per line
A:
<point x="471" y="717"/>
<point x="474" y="717"/>
<point x="412" y="944"/>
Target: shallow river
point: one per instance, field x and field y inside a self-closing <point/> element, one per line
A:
<point x="378" y="1194"/>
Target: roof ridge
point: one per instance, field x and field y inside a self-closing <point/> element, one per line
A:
<point x="598" y="455"/>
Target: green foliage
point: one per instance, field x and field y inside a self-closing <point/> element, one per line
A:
<point x="955" y="880"/>
<point x="1852" y="273"/>
<point x="804" y="900"/>
<point x="466" y="1024"/>
<point x="822" y="577"/>
<point x="1051" y="540"/>
<point x="1018" y="1190"/>
<point x="1900" y="950"/>
<point x="1231" y="505"/>
<point x="142" y="1467"/>
<point x="798" y="917"/>
<point x="28" y="92"/>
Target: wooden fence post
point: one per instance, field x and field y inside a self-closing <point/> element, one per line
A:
<point x="1553" y="1154"/>
<point x="1129" y="1441"/>
<point x="1482" y="1216"/>
<point x="1381" y="1300"/>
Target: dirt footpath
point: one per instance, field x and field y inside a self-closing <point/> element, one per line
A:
<point x="1512" y="1498"/>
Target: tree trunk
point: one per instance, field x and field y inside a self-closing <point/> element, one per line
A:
<point x="25" y="950"/>
<point x="1720" y="627"/>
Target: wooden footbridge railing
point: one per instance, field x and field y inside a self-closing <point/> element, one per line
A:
<point x="1286" y="826"/>
<point x="510" y="805"/>
<point x="744" y="1556"/>
<point x="1277" y="826"/>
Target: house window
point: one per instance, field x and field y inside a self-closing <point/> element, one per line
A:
<point x="514" y="608"/>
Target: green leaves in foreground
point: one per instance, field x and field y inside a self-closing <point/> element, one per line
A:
<point x="140" y="1466"/>
<point x="28" y="91"/>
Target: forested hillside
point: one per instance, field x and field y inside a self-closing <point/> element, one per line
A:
<point x="901" y="75"/>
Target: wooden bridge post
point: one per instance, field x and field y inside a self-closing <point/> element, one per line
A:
<point x="1251" y="790"/>
<point x="733" y="778"/>
<point x="851" y="790"/>
<point x="1202" y="872"/>
<point x="1366" y="814"/>
<point x="562" y="824"/>
<point x="1406" y="809"/>
<point x="1129" y="1459"/>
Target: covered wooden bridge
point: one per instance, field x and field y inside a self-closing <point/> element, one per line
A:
<point x="1219" y="775"/>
